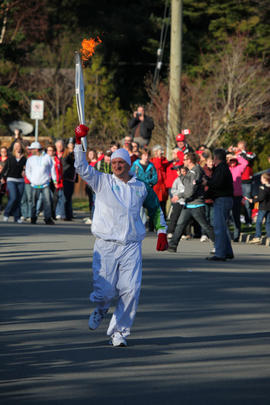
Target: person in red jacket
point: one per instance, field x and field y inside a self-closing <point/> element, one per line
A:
<point x="183" y="147"/>
<point x="161" y="163"/>
<point x="171" y="173"/>
<point x="58" y="197"/>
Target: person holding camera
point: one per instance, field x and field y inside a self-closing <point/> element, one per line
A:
<point x="17" y="137"/>
<point x="141" y="126"/>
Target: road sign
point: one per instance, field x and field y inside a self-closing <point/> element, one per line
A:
<point x="37" y="109"/>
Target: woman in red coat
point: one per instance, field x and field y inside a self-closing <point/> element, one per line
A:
<point x="161" y="164"/>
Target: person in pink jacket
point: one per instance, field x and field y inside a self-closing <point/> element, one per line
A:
<point x="237" y="165"/>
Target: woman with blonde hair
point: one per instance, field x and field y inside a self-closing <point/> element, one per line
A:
<point x="14" y="175"/>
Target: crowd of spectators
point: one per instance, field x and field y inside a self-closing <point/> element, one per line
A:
<point x="38" y="179"/>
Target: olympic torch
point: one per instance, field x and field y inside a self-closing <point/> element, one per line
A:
<point x="87" y="50"/>
<point x="79" y="92"/>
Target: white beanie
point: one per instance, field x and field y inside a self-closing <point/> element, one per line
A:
<point x="122" y="154"/>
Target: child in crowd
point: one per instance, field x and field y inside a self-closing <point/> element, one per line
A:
<point x="177" y="200"/>
<point x="263" y="198"/>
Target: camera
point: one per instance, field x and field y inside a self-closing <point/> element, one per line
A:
<point x="138" y="114"/>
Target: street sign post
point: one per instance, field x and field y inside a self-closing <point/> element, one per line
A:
<point x="37" y="113"/>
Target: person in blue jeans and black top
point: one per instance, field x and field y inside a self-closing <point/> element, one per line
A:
<point x="221" y="191"/>
<point x="13" y="172"/>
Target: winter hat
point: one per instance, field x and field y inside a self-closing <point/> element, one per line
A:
<point x="180" y="138"/>
<point x="35" y="145"/>
<point x="122" y="154"/>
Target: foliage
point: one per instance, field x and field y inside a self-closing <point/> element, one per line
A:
<point x="19" y="32"/>
<point x="208" y="25"/>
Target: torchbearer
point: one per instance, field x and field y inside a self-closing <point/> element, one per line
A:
<point x="119" y="231"/>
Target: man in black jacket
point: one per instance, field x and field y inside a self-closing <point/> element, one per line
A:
<point x="141" y="126"/>
<point x="220" y="189"/>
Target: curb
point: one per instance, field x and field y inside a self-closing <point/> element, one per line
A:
<point x="247" y="238"/>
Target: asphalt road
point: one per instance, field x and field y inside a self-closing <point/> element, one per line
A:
<point x="201" y="335"/>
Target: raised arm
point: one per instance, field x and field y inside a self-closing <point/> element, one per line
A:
<point x="88" y="173"/>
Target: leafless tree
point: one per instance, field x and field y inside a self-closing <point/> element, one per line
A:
<point x="56" y="88"/>
<point x="237" y="94"/>
<point x="232" y="94"/>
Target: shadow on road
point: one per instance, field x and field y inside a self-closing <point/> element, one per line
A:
<point x="201" y="334"/>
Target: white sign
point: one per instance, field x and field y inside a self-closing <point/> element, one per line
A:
<point x="185" y="131"/>
<point x="37" y="109"/>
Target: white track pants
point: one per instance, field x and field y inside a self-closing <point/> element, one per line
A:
<point x="117" y="271"/>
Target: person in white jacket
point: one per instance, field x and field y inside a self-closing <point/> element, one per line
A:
<point x="119" y="231"/>
<point x="40" y="170"/>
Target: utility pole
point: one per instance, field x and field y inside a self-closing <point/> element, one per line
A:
<point x="174" y="108"/>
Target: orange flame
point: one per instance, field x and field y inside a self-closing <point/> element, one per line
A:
<point x="88" y="47"/>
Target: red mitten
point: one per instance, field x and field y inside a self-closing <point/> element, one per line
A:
<point x="162" y="242"/>
<point x="80" y="132"/>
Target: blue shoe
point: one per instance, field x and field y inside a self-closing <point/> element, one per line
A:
<point x="96" y="318"/>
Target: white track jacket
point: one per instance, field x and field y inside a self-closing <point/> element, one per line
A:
<point x="117" y="205"/>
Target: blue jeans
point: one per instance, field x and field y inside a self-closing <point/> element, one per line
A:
<point x="46" y="200"/>
<point x="60" y="206"/>
<point x="246" y="190"/>
<point x="209" y="215"/>
<point x="26" y="202"/>
<point x="15" y="192"/>
<point x="261" y="215"/>
<point x="222" y="208"/>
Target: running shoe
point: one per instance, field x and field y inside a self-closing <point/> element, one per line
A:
<point x="118" y="340"/>
<point x="95" y="318"/>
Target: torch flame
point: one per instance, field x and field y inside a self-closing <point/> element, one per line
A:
<point x="88" y="47"/>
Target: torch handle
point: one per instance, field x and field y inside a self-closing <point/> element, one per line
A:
<point x="79" y="92"/>
<point x="84" y="143"/>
